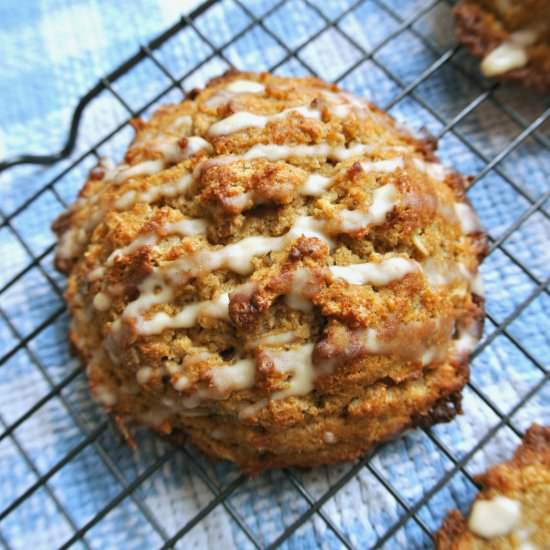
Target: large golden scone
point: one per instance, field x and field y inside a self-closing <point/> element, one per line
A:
<point x="511" y="37"/>
<point x="278" y="272"/>
<point x="512" y="511"/>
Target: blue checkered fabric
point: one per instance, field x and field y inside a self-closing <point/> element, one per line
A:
<point x="53" y="51"/>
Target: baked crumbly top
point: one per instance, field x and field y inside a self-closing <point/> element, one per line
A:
<point x="273" y="253"/>
<point x="513" y="508"/>
<point x="512" y="38"/>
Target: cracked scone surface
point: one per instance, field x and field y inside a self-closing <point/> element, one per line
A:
<point x="277" y="272"/>
<point x="511" y="38"/>
<point x="512" y="511"/>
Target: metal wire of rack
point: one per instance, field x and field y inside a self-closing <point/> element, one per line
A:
<point x="223" y="487"/>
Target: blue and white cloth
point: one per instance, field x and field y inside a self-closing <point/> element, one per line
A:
<point x="52" y="52"/>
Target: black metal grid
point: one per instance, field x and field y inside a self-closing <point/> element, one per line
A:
<point x="221" y="493"/>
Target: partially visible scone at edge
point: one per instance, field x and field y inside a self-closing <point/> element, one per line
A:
<point x="512" y="511"/>
<point x="278" y="272"/>
<point x="511" y="38"/>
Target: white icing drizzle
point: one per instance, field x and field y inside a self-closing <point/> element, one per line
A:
<point x="148" y="297"/>
<point x="243" y="120"/>
<point x="186" y="317"/>
<point x="475" y="281"/>
<point x="477" y="285"/>
<point x="295" y="299"/>
<point x="439" y="273"/>
<point x="372" y="342"/>
<point x="234" y="88"/>
<point x="315" y="185"/>
<point x="238" y="256"/>
<point x="504" y="58"/>
<point x="496" y="517"/>
<point x="145" y="168"/>
<point x="385" y="166"/>
<point x="384" y="200"/>
<point x="297" y="362"/>
<point x="224" y="378"/>
<point x="171" y="189"/>
<point x="240" y="201"/>
<point x="125" y="201"/>
<point x="509" y="55"/>
<point x="342" y="104"/>
<point x="245" y="86"/>
<point x="341" y="110"/>
<point x="275" y="152"/>
<point x="70" y="242"/>
<point x="184" y="122"/>
<point x="185" y="228"/>
<point x="469" y="222"/>
<point x="169" y="148"/>
<point x="194" y="145"/>
<point x="143" y="240"/>
<point x="378" y="274"/>
<point x="466" y="342"/>
<point x="179" y="380"/>
<point x="233" y="377"/>
<point x="461" y="213"/>
<point x="172" y="152"/>
<point x="433" y="170"/>
<point x="428" y="356"/>
<point x="444" y="272"/>
<point x="96" y="274"/>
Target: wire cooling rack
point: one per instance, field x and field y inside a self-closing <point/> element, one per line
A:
<point x="67" y="479"/>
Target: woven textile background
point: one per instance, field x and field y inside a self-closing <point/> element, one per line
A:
<point x="52" y="52"/>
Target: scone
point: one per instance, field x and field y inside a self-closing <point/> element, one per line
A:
<point x="511" y="37"/>
<point x="513" y="509"/>
<point x="277" y="272"/>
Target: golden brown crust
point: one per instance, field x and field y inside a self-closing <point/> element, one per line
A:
<point x="164" y="306"/>
<point x="482" y="26"/>
<point x="524" y="478"/>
